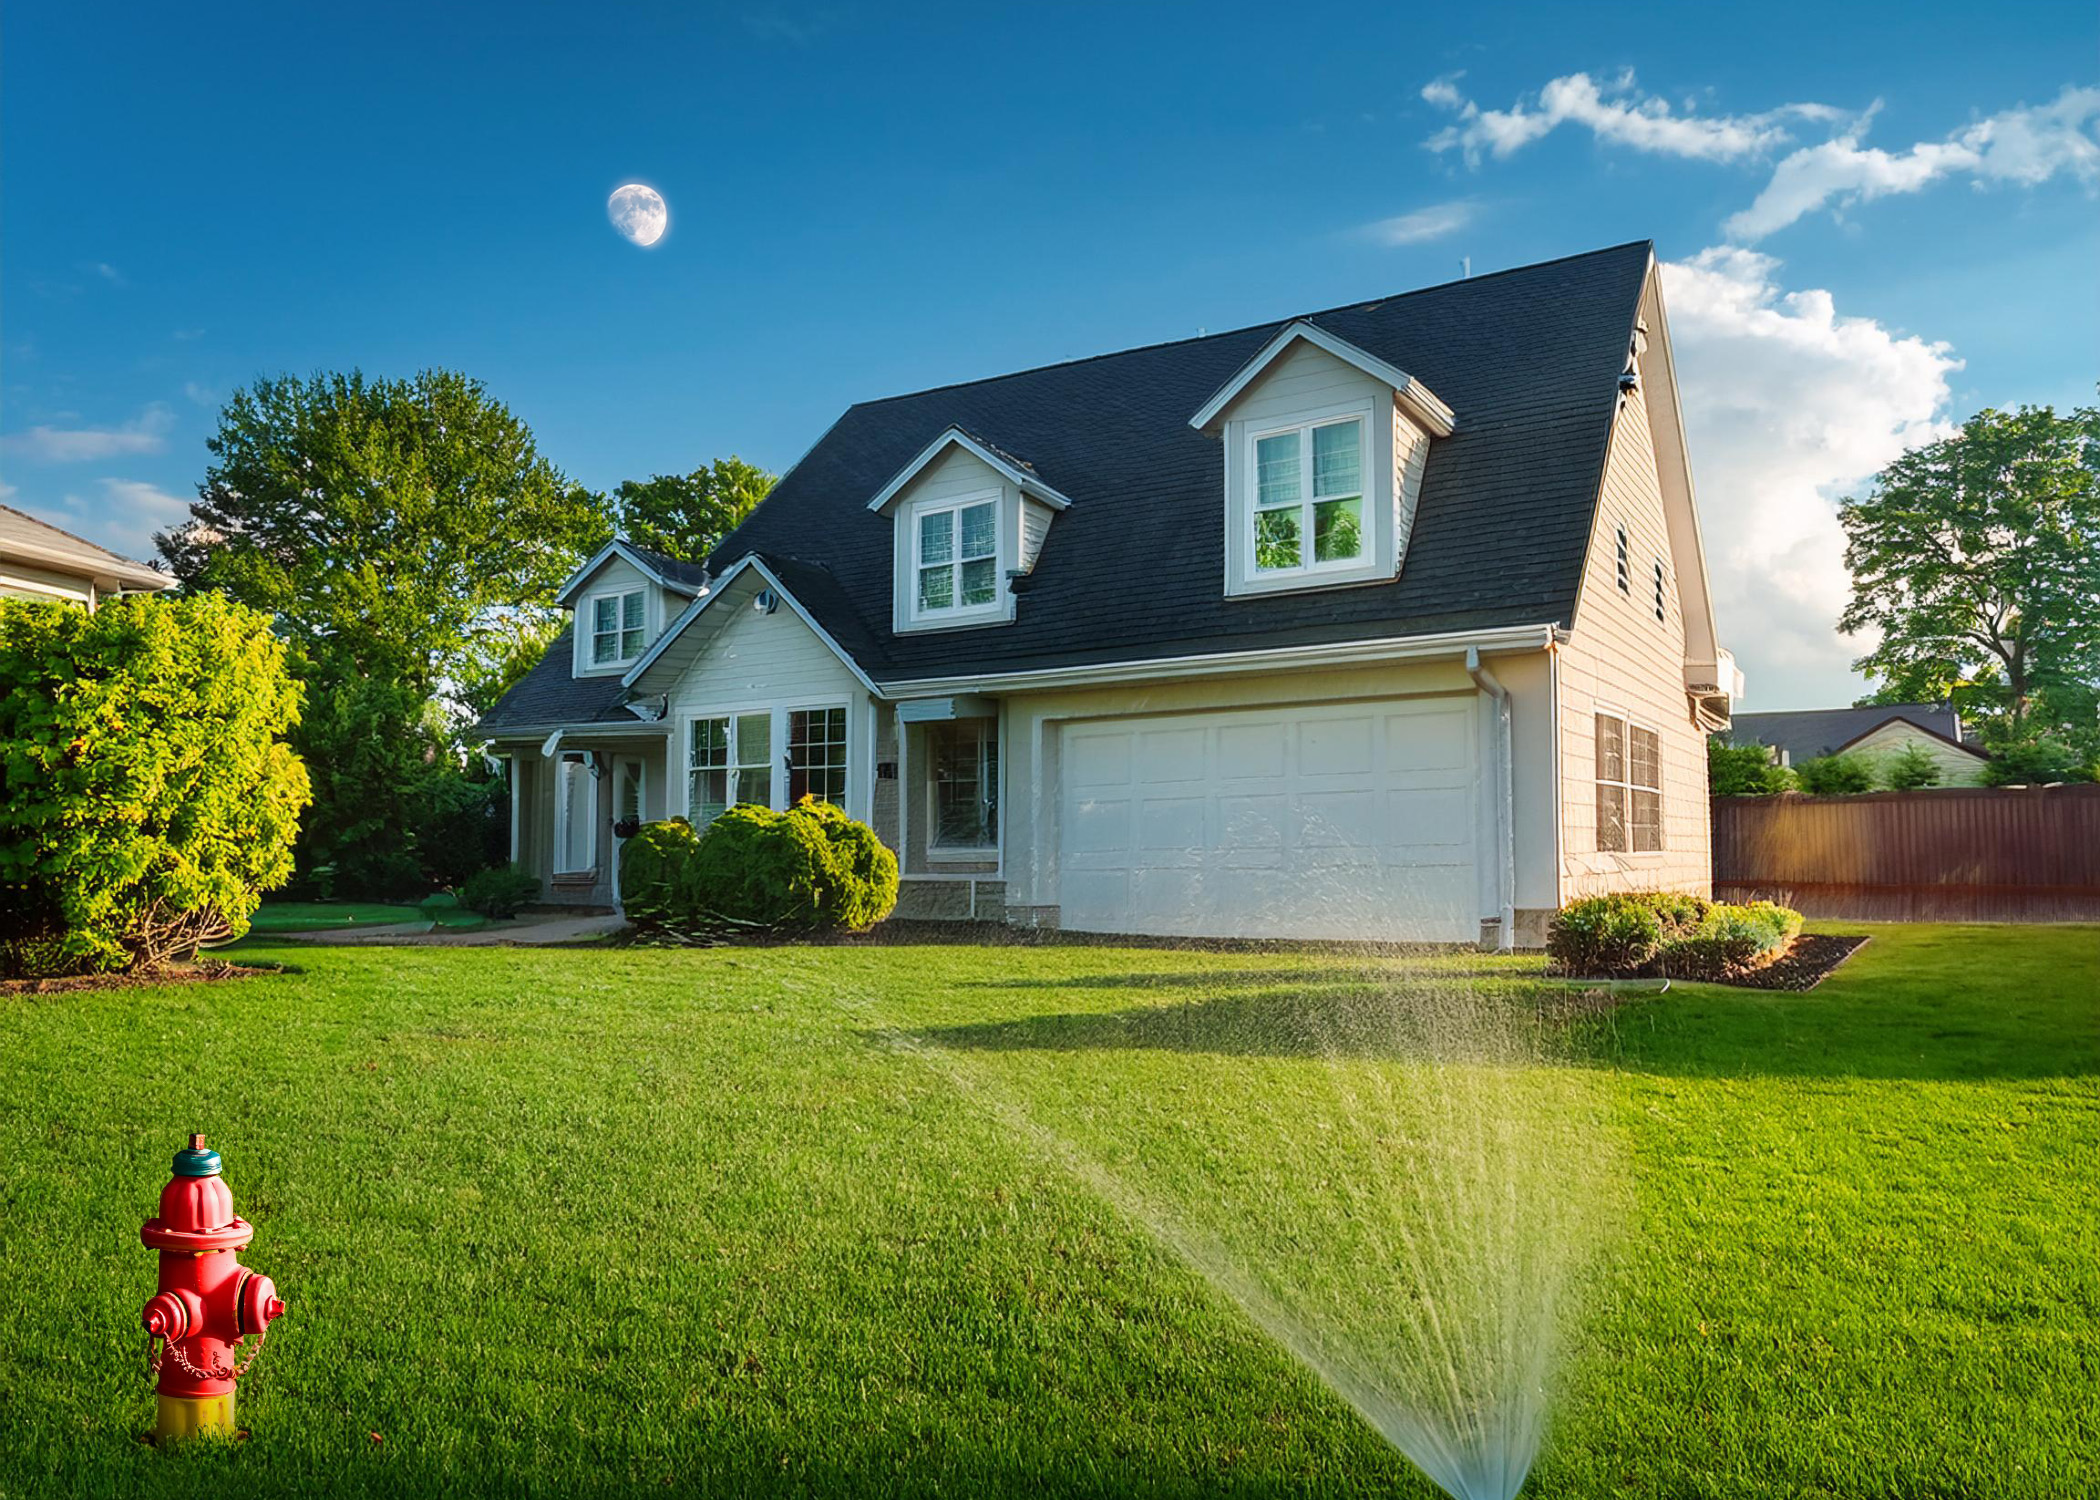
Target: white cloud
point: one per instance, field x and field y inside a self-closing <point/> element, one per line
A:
<point x="2025" y="146"/>
<point x="1789" y="406"/>
<point x="202" y="394"/>
<point x="1423" y="224"/>
<point x="1616" y="111"/>
<point x="123" y="517"/>
<point x="110" y="273"/>
<point x="146" y="433"/>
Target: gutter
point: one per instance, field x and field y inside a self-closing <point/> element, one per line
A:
<point x="1224" y="663"/>
<point x="1505" y="802"/>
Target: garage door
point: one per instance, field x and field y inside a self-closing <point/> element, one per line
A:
<point x="1353" y="821"/>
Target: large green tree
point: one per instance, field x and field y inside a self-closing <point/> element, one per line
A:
<point x="1976" y="560"/>
<point x="382" y="521"/>
<point x="408" y="537"/>
<point x="687" y="515"/>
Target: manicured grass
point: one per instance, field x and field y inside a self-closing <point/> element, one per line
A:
<point x="860" y="1220"/>
<point x="316" y="916"/>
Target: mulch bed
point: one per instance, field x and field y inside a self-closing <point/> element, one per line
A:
<point x="209" y="971"/>
<point x="1806" y="964"/>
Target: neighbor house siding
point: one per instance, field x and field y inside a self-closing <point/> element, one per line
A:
<point x="1621" y="659"/>
<point x="1958" y="767"/>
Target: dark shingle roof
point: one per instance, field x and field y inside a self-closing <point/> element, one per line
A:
<point x="686" y="575"/>
<point x="1528" y="359"/>
<point x="548" y="696"/>
<point x="1810" y="732"/>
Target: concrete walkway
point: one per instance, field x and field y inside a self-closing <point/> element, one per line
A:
<point x="530" y="932"/>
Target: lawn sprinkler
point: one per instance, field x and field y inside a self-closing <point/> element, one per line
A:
<point x="208" y="1302"/>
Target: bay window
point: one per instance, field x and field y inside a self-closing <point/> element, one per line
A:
<point x="965" y="759"/>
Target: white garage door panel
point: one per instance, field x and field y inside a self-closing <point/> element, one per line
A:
<point x="1352" y="821"/>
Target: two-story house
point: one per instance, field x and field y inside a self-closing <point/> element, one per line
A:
<point x="1389" y="621"/>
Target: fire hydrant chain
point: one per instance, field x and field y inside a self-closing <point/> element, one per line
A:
<point x="218" y="1371"/>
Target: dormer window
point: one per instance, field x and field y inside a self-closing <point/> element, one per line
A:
<point x="1309" y="497"/>
<point x="956" y="558"/>
<point x="619" y="628"/>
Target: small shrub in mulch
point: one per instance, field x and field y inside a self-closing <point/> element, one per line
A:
<point x="1668" y="935"/>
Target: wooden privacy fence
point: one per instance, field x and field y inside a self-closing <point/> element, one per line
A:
<point x="1984" y="854"/>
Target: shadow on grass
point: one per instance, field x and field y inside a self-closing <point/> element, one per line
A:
<point x="1864" y="1030"/>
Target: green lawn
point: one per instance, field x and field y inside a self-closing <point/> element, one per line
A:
<point x="274" y="917"/>
<point x="868" y="1220"/>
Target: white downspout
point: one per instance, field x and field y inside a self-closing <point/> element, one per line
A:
<point x="1505" y="802"/>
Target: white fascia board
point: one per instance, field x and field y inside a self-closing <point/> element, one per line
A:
<point x="719" y="590"/>
<point x="1228" y="663"/>
<point x="1027" y="483"/>
<point x="567" y="594"/>
<point x="1421" y="403"/>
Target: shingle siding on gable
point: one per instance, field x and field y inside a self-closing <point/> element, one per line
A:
<point x="1621" y="659"/>
<point x="1528" y="360"/>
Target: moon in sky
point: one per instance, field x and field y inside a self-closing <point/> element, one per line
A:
<point x="639" y="213"/>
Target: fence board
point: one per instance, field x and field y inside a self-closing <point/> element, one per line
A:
<point x="1993" y="854"/>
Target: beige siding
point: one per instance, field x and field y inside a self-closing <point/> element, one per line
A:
<point x="1410" y="458"/>
<point x="20" y="581"/>
<point x="1958" y="767"/>
<point x="1035" y="525"/>
<point x="1622" y="659"/>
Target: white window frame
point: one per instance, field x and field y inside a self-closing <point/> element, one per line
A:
<point x="589" y="616"/>
<point x="1251" y="507"/>
<point x="777" y="784"/>
<point x="936" y="850"/>
<point x="914" y="517"/>
<point x="786" y="741"/>
<point x="1627" y="785"/>
<point x="565" y="809"/>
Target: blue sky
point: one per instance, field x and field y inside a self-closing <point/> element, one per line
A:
<point x="1875" y="219"/>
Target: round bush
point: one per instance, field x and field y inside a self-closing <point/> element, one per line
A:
<point x="808" y="869"/>
<point x="1604" y="935"/>
<point x="655" y="867"/>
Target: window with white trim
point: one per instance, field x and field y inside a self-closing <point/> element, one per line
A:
<point x="816" y="758"/>
<point x="1629" y="787"/>
<point x="965" y="756"/>
<point x="1308" y="511"/>
<point x="955" y="559"/>
<point x="728" y="760"/>
<point x="619" y="627"/>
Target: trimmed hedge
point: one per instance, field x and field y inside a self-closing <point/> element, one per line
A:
<point x="808" y="869"/>
<point x="1668" y="933"/>
<point x="500" y="891"/>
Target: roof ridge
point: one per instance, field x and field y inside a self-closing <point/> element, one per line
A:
<point x="1204" y="338"/>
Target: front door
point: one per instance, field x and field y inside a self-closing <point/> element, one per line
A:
<point x="630" y="798"/>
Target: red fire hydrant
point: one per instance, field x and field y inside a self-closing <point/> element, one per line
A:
<point x="208" y="1302"/>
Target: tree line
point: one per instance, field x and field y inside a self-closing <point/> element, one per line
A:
<point x="407" y="537"/>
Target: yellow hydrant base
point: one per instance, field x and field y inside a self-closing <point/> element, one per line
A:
<point x="191" y="1416"/>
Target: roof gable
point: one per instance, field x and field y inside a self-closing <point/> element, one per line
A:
<point x="669" y="573"/>
<point x="1013" y="470"/>
<point x="41" y="544"/>
<point x="681" y="640"/>
<point x="1420" y="402"/>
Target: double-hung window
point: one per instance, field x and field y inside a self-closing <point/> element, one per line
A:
<point x="955" y="559"/>
<point x="1308" y="509"/>
<point x="618" y="628"/>
<point x="728" y="760"/>
<point x="817" y="755"/>
<point x="1629" y="787"/>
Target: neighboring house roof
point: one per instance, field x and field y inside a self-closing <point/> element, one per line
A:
<point x="669" y="572"/>
<point x="39" y="544"/>
<point x="1529" y="361"/>
<point x="1809" y="733"/>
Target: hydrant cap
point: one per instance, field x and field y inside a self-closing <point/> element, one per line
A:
<point x="197" y="1159"/>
